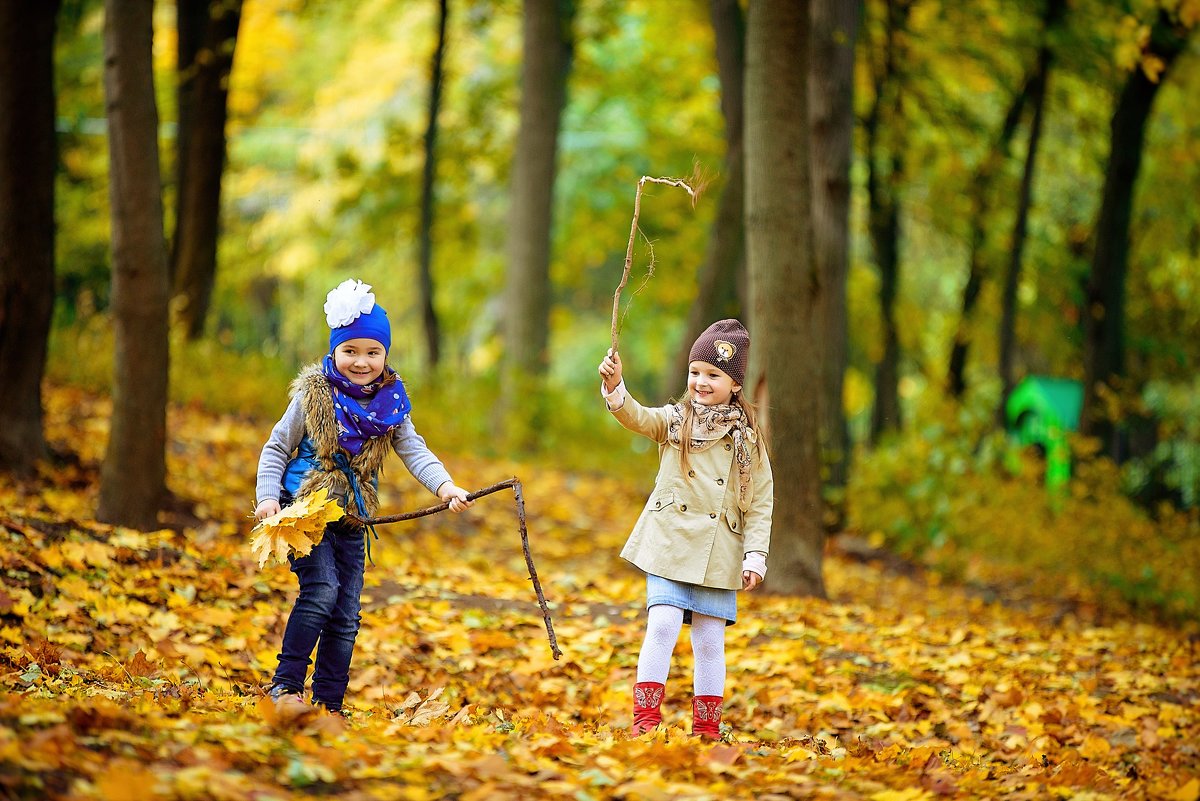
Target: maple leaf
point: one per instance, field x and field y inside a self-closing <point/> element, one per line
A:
<point x="140" y="666"/>
<point x="46" y="654"/>
<point x="295" y="529"/>
<point x="416" y="711"/>
<point x="290" y="713"/>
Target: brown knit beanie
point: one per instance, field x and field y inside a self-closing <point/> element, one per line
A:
<point x="724" y="344"/>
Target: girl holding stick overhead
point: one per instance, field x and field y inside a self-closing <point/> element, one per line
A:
<point x="705" y="531"/>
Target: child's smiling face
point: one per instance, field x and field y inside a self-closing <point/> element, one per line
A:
<point x="709" y="384"/>
<point x="360" y="360"/>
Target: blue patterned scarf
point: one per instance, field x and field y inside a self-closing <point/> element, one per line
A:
<point x="387" y="407"/>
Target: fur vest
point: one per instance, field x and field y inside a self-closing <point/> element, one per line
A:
<point x="318" y="460"/>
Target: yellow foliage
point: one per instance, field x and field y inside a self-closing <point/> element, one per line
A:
<point x="124" y="780"/>
<point x="1190" y="791"/>
<point x="295" y="529"/>
<point x="988" y="516"/>
<point x="1153" y="66"/>
<point x="141" y="664"/>
<point x="1189" y="13"/>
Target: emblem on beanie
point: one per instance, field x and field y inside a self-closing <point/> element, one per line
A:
<point x="347" y="301"/>
<point x="725" y="350"/>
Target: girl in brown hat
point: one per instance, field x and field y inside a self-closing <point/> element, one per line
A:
<point x="706" y="529"/>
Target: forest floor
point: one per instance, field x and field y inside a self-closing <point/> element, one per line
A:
<point x="133" y="665"/>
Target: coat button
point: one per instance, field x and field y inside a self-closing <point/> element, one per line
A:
<point x="691" y="474"/>
<point x="733" y="525"/>
<point x="683" y="507"/>
<point x="720" y="482"/>
<point x="728" y="447"/>
<point x="713" y="515"/>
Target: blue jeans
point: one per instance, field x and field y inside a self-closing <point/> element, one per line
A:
<point x="325" y="615"/>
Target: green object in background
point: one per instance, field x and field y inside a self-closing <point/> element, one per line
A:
<point x="1041" y="411"/>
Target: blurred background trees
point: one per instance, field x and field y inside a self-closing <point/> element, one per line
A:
<point x="27" y="167"/>
<point x="998" y="189"/>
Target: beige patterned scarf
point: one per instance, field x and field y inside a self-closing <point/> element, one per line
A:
<point x="710" y="424"/>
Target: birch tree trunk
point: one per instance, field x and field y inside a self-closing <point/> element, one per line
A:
<point x="133" y="476"/>
<point x="785" y="287"/>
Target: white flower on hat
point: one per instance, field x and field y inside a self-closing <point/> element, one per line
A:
<point x="344" y="304"/>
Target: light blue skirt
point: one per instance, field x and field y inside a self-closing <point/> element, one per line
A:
<point x="692" y="598"/>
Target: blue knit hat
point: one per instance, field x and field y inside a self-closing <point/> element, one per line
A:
<point x="352" y="313"/>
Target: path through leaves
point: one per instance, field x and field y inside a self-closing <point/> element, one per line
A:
<point x="132" y="665"/>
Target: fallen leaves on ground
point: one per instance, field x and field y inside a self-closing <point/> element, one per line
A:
<point x="134" y="664"/>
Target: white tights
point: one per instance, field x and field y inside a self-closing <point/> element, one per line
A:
<point x="663" y="624"/>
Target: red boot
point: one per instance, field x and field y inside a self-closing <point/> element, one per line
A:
<point x="706" y="716"/>
<point x="647" y="698"/>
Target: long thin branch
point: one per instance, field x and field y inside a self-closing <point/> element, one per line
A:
<point x="432" y="510"/>
<point x="515" y="483"/>
<point x="633" y="229"/>
<point x="537" y="585"/>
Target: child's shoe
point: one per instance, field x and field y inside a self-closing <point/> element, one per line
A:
<point x="706" y="716"/>
<point x="339" y="710"/>
<point x="279" y="693"/>
<point x="647" y="698"/>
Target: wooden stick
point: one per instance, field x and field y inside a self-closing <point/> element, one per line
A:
<point x="515" y="483"/>
<point x="633" y="229"/>
<point x="432" y="510"/>
<point x="537" y="585"/>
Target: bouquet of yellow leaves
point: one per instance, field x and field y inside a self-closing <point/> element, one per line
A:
<point x="297" y="528"/>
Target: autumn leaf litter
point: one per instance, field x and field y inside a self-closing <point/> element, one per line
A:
<point x="132" y="665"/>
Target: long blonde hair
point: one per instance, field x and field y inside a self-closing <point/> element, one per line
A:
<point x="739" y="399"/>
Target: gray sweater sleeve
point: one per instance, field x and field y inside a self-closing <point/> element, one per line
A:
<point x="420" y="461"/>
<point x="289" y="432"/>
<point x="285" y="438"/>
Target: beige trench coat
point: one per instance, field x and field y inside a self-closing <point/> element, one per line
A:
<point x="691" y="529"/>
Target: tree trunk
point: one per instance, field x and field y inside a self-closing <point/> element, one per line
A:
<point x="720" y="281"/>
<point x="425" y="236"/>
<point x="207" y="31"/>
<point x="981" y="190"/>
<point x="885" y="175"/>
<point x="831" y="110"/>
<point x="785" y="287"/>
<point x="133" y="476"/>
<point x="546" y="64"/>
<point x="1104" y="318"/>
<point x="27" y="163"/>
<point x="1054" y="12"/>
<point x="191" y="22"/>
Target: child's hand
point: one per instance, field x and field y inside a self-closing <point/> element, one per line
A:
<point x="267" y="508"/>
<point x="750" y="580"/>
<point x="610" y="370"/>
<point x="456" y="495"/>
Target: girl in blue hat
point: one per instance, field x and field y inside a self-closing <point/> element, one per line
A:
<point x="346" y="413"/>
